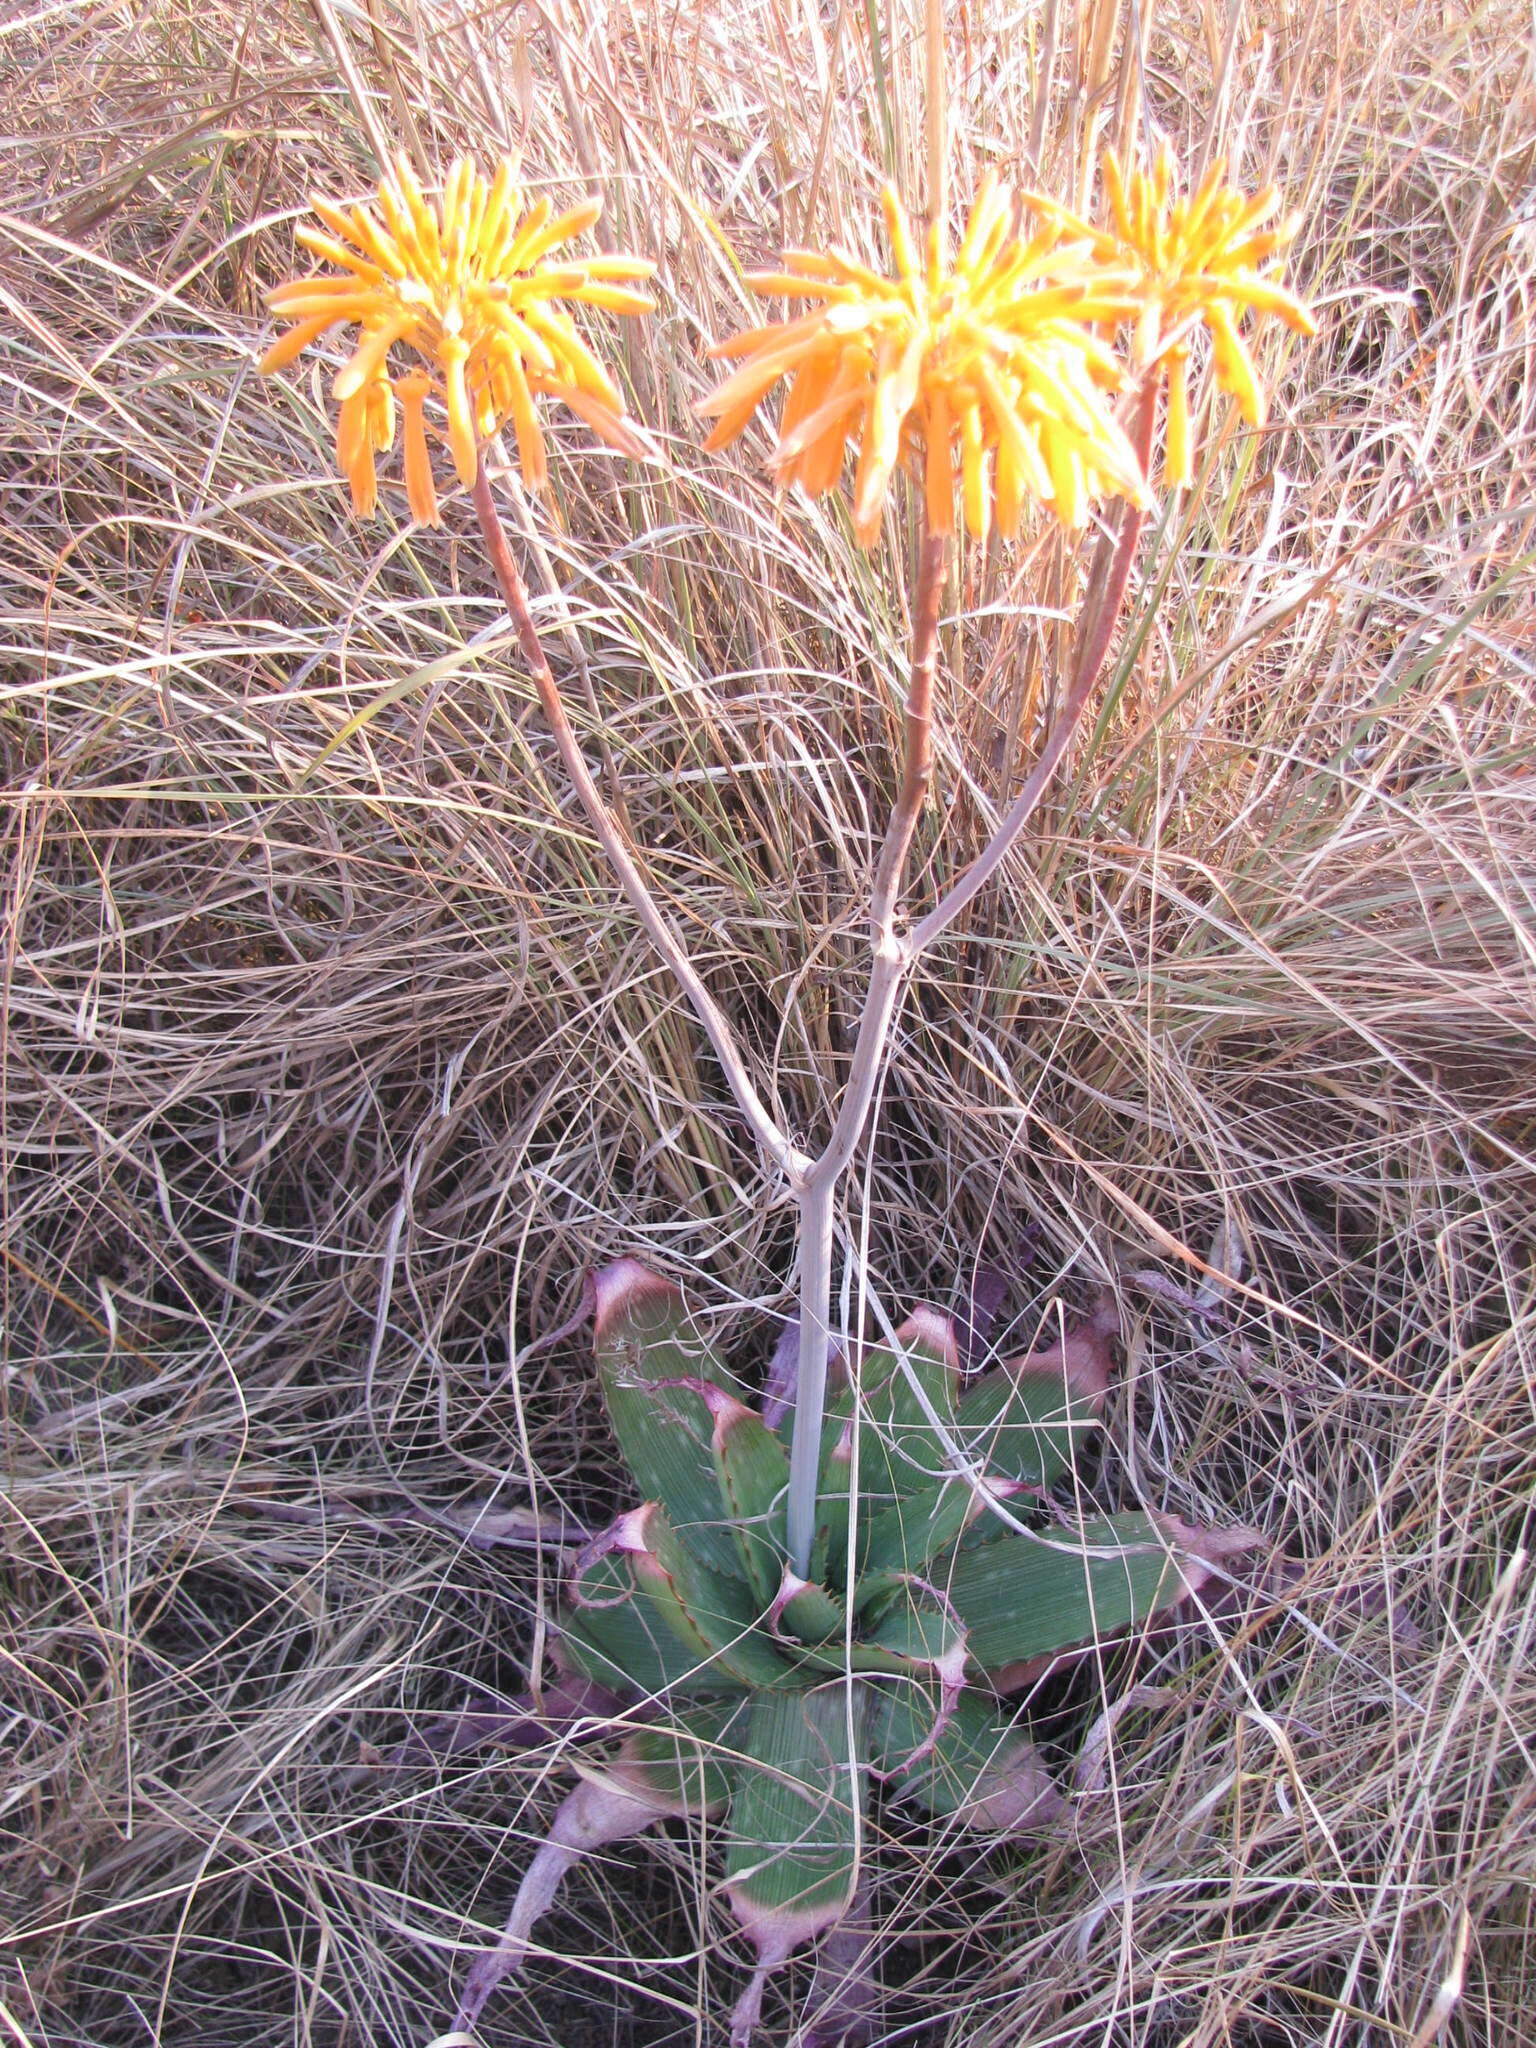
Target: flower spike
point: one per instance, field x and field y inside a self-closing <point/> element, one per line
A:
<point x="995" y="356"/>
<point x="464" y="282"/>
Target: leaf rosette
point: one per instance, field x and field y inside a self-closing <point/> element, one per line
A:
<point x="945" y="1578"/>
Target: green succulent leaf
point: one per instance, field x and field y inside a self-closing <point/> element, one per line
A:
<point x="620" y="1640"/>
<point x="792" y="1856"/>
<point x="752" y="1473"/>
<point x="900" y="1451"/>
<point x="879" y="1446"/>
<point x="1027" y="1420"/>
<point x="689" y="1762"/>
<point x="906" y="1536"/>
<point x="646" y="1344"/>
<point x="812" y="1614"/>
<point x="982" y="1769"/>
<point x="830" y="1549"/>
<point x="716" y="1617"/>
<point x="1026" y="1597"/>
<point x="919" y="1627"/>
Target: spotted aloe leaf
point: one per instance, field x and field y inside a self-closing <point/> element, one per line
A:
<point x="648" y="1351"/>
<point x="880" y="1443"/>
<point x="981" y="1768"/>
<point x="906" y="1536"/>
<point x="608" y="1635"/>
<point x="829" y="1552"/>
<point x="902" y="1390"/>
<point x="810" y="1613"/>
<point x="752" y="1475"/>
<point x="714" y="1618"/>
<point x="792" y="1858"/>
<point x="938" y="1584"/>
<point x="1028" y="1597"/>
<point x="1028" y="1419"/>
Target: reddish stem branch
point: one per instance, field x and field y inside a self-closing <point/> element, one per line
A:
<point x="917" y="751"/>
<point x="817" y="1194"/>
<point x="1111" y="573"/>
<point x="765" y="1129"/>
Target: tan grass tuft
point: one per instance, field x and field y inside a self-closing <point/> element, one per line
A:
<point x="332" y="1059"/>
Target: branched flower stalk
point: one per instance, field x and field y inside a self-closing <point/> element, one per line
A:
<point x="998" y="356"/>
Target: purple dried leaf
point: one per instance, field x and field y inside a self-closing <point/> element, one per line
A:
<point x="595" y="1815"/>
<point x="1286" y="1583"/>
<point x="845" y="1992"/>
<point x="605" y="1808"/>
<point x="783" y="1372"/>
<point x="525" y="1722"/>
<point x="1375" y="1602"/>
<point x="1016" y="1797"/>
<point x="1150" y="1281"/>
<point x="973" y="1325"/>
<point x="483" y="1527"/>
<point x="775" y="1932"/>
<point x="1092" y="1767"/>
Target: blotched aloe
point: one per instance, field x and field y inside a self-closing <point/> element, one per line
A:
<point x="802" y="1618"/>
<point x="944" y="1576"/>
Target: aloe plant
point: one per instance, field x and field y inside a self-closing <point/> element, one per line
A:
<point x="944" y="1576"/>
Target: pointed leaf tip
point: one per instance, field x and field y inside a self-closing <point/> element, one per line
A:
<point x="1204" y="1551"/>
<point x="591" y="1817"/>
<point x="1080" y="1356"/>
<point x="632" y="1531"/>
<point x="1016" y="1795"/>
<point x="623" y="1287"/>
<point x="792" y="1861"/>
<point x="927" y="1330"/>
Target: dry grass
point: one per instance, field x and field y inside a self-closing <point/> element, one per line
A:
<point x="324" y="1083"/>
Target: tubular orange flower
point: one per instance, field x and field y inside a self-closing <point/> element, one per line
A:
<point x="466" y="284"/>
<point x="1203" y="261"/>
<point x="996" y="353"/>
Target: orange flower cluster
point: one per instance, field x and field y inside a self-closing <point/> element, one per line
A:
<point x="1201" y="261"/>
<point x="996" y="353"/>
<point x="468" y="285"/>
<point x="1000" y="357"/>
